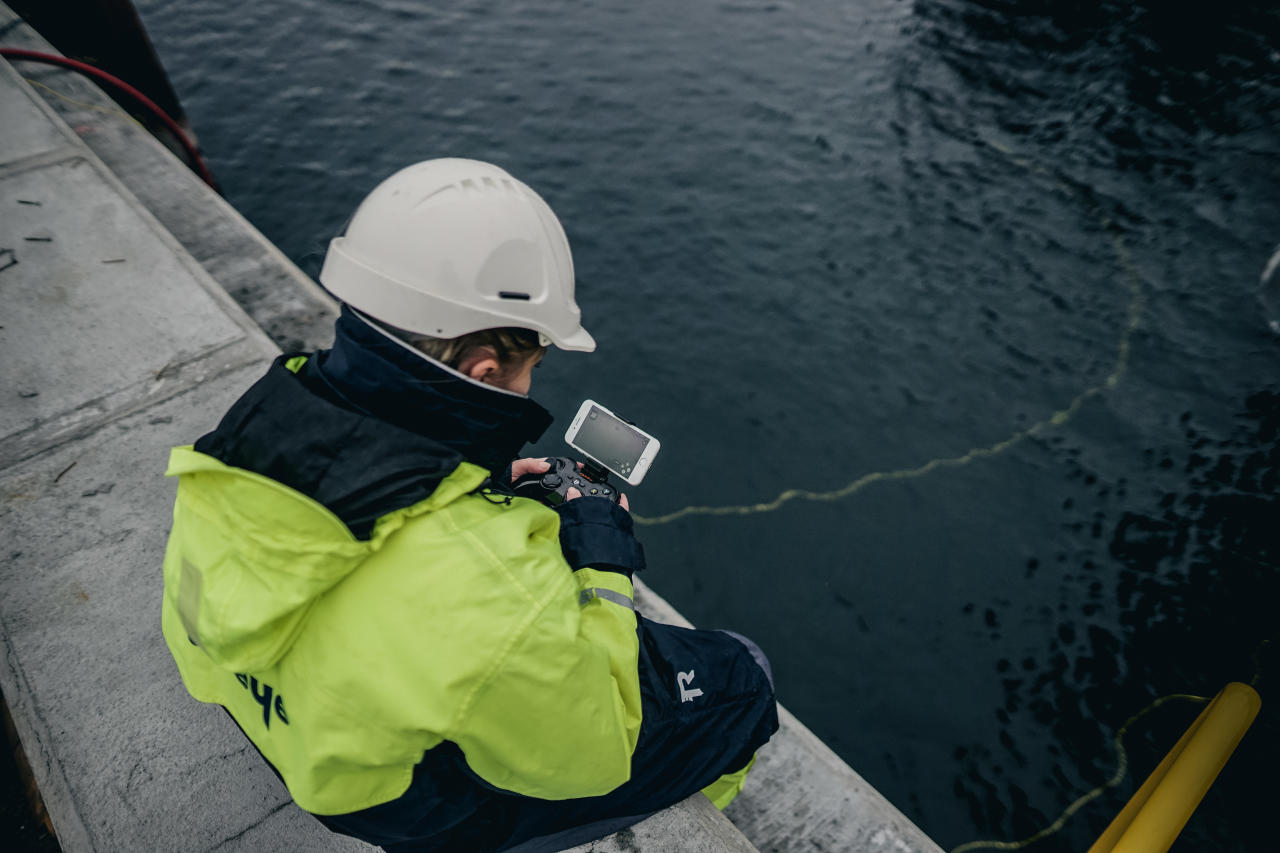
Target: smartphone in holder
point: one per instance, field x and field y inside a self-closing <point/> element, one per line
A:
<point x="621" y="448"/>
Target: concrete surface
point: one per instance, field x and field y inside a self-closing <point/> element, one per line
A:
<point x="285" y="303"/>
<point x="145" y="352"/>
<point x="93" y="393"/>
<point x="75" y="346"/>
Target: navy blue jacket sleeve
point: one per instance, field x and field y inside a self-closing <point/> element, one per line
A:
<point x="598" y="533"/>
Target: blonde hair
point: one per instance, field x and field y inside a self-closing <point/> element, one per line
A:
<point x="512" y="346"/>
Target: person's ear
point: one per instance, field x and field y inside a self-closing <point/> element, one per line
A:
<point x="482" y="367"/>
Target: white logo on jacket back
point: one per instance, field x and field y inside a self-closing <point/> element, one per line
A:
<point x="683" y="679"/>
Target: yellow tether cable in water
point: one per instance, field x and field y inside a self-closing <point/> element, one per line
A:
<point x="1058" y="418"/>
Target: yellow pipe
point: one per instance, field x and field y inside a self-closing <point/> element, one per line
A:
<point x="1154" y="816"/>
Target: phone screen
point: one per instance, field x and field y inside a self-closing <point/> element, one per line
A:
<point x="610" y="441"/>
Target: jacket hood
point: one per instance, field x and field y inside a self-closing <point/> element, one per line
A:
<point x="254" y="555"/>
<point x="371" y="372"/>
<point x="288" y="427"/>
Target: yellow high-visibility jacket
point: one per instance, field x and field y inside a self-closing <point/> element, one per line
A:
<point x="344" y="659"/>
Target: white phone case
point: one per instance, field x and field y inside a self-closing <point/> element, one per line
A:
<point x="629" y="472"/>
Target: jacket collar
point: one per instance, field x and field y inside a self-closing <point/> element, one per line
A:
<point x="375" y="374"/>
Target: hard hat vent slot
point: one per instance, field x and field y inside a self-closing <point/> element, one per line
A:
<point x="511" y="294"/>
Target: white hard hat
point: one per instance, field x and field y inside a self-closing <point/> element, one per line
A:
<point x="451" y="246"/>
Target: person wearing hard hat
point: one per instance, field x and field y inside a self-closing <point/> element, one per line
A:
<point x="426" y="660"/>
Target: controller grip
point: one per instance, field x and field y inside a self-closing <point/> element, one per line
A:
<point x="552" y="487"/>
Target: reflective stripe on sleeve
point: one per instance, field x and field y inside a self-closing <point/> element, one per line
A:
<point x="607" y="594"/>
<point x="189" y="588"/>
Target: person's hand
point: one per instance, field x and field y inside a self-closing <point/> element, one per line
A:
<point x="574" y="493"/>
<point x="529" y="466"/>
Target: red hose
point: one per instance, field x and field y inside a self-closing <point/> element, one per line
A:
<point x="103" y="77"/>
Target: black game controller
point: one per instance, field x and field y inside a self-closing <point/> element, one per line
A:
<point x="553" y="487"/>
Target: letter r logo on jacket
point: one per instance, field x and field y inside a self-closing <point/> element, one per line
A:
<point x="683" y="679"/>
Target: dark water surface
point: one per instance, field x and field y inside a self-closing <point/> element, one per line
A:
<point x="824" y="239"/>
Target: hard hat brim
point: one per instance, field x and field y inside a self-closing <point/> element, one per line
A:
<point x="579" y="341"/>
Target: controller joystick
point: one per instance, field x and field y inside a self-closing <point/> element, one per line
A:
<point x="552" y="487"/>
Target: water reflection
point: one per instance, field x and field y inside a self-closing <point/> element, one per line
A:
<point x="1269" y="292"/>
<point x="1135" y="73"/>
